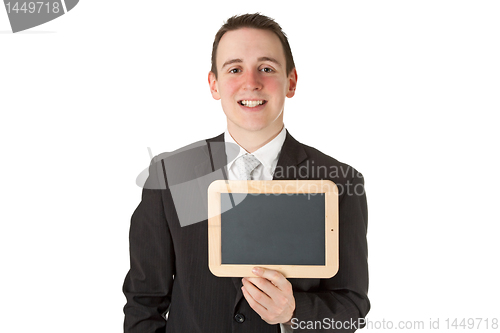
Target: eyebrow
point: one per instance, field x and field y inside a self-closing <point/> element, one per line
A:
<point x="269" y="59"/>
<point x="238" y="60"/>
<point x="232" y="61"/>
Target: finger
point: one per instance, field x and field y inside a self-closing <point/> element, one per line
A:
<point x="258" y="295"/>
<point x="266" y="286"/>
<point x="256" y="306"/>
<point x="275" y="277"/>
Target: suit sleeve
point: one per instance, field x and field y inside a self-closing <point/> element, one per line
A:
<point x="343" y="297"/>
<point x="148" y="284"/>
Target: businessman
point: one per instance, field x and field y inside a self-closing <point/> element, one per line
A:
<point x="169" y="287"/>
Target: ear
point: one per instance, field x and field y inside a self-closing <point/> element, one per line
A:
<point x="212" y="82"/>
<point x="292" y="83"/>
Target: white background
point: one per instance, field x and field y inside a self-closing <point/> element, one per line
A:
<point x="405" y="91"/>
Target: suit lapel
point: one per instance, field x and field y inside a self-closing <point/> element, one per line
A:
<point x="291" y="155"/>
<point x="216" y="157"/>
<point x="213" y="167"/>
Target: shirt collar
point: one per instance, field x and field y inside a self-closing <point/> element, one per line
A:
<point x="268" y="154"/>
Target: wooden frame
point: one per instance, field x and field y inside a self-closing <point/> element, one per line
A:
<point x="274" y="187"/>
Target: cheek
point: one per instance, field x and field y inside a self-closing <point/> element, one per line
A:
<point x="274" y="86"/>
<point x="229" y="87"/>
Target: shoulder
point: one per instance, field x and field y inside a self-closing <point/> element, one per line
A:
<point x="321" y="165"/>
<point x="178" y="166"/>
<point x="318" y="165"/>
<point x="323" y="159"/>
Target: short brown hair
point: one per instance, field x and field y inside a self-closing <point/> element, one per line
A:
<point x="256" y="21"/>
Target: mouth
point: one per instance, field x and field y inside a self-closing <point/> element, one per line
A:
<point x="252" y="103"/>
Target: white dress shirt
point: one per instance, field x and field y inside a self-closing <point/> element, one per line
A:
<point x="268" y="156"/>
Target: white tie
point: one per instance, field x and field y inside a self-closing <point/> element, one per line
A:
<point x="245" y="165"/>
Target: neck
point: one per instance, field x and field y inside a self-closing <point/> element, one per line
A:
<point x="253" y="140"/>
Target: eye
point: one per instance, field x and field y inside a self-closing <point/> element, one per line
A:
<point x="234" y="70"/>
<point x="267" y="70"/>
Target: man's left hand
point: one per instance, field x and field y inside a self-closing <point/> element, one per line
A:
<point x="270" y="295"/>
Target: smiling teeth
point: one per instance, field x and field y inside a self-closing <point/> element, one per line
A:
<point x="251" y="104"/>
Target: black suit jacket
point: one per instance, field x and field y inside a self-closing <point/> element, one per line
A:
<point x="169" y="263"/>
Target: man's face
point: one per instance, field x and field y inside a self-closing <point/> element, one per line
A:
<point x="252" y="81"/>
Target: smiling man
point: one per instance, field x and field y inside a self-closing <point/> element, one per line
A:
<point x="169" y="287"/>
<point x="251" y="79"/>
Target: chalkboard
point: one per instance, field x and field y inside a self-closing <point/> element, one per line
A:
<point x="289" y="226"/>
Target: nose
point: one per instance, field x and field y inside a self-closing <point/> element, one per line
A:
<point x="252" y="81"/>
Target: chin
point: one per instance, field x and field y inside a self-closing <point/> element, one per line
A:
<point x="254" y="123"/>
<point x="252" y="128"/>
